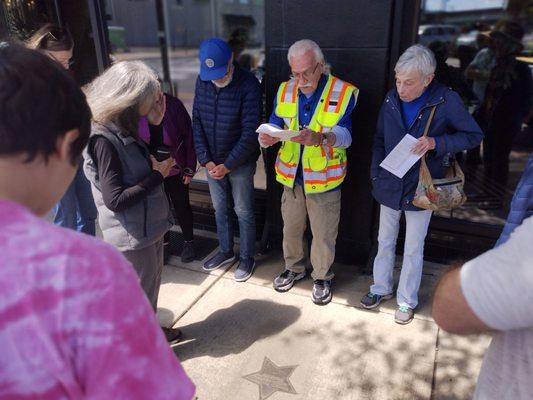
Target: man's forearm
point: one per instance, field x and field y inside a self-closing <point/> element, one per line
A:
<point x="450" y="308"/>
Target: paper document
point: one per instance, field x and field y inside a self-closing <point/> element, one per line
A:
<point x="401" y="158"/>
<point x="274" y="131"/>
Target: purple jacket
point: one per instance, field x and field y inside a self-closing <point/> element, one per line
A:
<point x="177" y="134"/>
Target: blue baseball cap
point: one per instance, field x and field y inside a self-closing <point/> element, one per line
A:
<point x="214" y="55"/>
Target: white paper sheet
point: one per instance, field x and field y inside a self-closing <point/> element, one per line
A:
<point x="274" y="131"/>
<point x="401" y="158"/>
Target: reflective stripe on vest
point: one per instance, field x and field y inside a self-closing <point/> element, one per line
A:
<point x="324" y="167"/>
<point x="288" y="95"/>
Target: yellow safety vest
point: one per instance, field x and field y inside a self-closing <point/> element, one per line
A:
<point x="324" y="167"/>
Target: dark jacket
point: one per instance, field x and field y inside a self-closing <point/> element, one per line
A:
<point x="177" y="134"/>
<point x="522" y="203"/>
<point x="453" y="128"/>
<point x="224" y="121"/>
<point x="145" y="220"/>
<point x="507" y="99"/>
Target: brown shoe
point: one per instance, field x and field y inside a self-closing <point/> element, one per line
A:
<point x="173" y="335"/>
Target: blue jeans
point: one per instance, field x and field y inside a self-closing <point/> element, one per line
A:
<point x="417" y="223"/>
<point x="235" y="190"/>
<point x="76" y="209"/>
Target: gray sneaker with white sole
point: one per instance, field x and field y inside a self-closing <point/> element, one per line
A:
<point x="285" y="281"/>
<point x="372" y="300"/>
<point x="321" y="292"/>
<point x="404" y="315"/>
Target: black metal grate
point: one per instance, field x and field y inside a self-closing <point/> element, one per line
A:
<point x="202" y="245"/>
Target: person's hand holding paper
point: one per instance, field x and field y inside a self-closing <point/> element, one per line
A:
<point x="266" y="140"/>
<point x="402" y="157"/>
<point x="424" y="144"/>
<point x="270" y="134"/>
<point x="307" y="137"/>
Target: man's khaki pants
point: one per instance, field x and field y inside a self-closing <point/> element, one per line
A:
<point x="324" y="213"/>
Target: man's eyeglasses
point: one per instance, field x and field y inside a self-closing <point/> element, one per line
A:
<point x="305" y="75"/>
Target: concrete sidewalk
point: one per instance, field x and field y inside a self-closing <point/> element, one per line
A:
<point x="246" y="341"/>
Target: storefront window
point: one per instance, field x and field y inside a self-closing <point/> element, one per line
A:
<point x="490" y="72"/>
<point x="133" y="33"/>
<point x="19" y="19"/>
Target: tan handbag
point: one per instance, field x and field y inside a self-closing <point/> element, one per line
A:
<point x="439" y="194"/>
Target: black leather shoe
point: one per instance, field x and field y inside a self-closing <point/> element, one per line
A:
<point x="187" y="253"/>
<point x="173" y="335"/>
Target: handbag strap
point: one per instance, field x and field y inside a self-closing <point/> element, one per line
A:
<point x="426" y="130"/>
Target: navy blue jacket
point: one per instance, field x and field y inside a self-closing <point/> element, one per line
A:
<point x="224" y="122"/>
<point x="522" y="203"/>
<point x="453" y="128"/>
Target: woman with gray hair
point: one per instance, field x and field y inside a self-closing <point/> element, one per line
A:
<point x="127" y="183"/>
<point x="406" y="110"/>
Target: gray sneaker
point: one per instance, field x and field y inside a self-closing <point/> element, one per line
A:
<point x="404" y="315"/>
<point x="371" y="300"/>
<point x="286" y="280"/>
<point x="321" y="292"/>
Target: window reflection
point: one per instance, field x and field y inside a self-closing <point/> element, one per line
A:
<point x="133" y="35"/>
<point x="483" y="51"/>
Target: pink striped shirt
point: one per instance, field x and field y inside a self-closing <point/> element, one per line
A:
<point x="74" y="322"/>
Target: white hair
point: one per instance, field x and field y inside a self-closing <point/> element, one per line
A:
<point x="303" y="46"/>
<point x="418" y="58"/>
<point x="124" y="86"/>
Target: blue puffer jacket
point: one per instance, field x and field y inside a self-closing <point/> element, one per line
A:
<point x="224" y="122"/>
<point x="453" y="128"/>
<point x="522" y="203"/>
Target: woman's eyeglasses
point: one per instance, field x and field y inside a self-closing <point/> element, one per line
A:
<point x="65" y="63"/>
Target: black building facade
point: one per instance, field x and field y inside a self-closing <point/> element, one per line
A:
<point x="361" y="41"/>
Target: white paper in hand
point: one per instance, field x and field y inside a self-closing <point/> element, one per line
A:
<point x="401" y="158"/>
<point x="274" y="131"/>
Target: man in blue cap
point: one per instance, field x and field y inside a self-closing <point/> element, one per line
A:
<point x="226" y="113"/>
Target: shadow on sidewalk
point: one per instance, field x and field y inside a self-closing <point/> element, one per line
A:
<point x="376" y="362"/>
<point x="232" y="330"/>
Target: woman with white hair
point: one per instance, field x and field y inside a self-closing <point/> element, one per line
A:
<point x="406" y="110"/>
<point x="127" y="183"/>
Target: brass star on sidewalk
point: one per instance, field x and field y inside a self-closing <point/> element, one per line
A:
<point x="272" y="379"/>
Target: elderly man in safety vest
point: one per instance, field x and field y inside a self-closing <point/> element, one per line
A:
<point x="311" y="166"/>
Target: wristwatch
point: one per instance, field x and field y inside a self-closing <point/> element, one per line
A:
<point x="325" y="140"/>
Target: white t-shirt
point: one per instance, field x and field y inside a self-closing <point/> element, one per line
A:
<point x="498" y="286"/>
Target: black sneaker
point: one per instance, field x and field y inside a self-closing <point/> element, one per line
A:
<point x="218" y="260"/>
<point x="173" y="335"/>
<point x="286" y="280"/>
<point x="321" y="292"/>
<point x="244" y="270"/>
<point x="187" y="253"/>
<point x="372" y="300"/>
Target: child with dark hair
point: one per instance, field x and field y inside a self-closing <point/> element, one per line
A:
<point x="69" y="303"/>
<point x="76" y="209"/>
